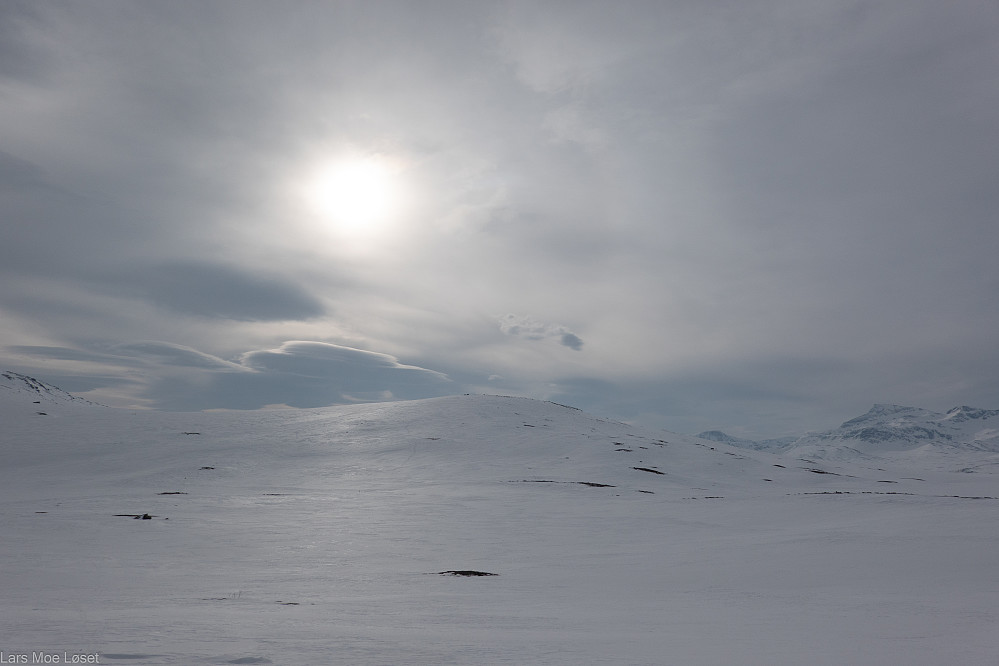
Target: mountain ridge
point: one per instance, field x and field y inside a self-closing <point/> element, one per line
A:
<point x="17" y="384"/>
<point x="884" y="429"/>
<point x="887" y="428"/>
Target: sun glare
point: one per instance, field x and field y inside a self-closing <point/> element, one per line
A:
<point x="356" y="195"/>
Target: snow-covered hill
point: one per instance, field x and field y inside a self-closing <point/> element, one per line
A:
<point x="17" y="391"/>
<point x="340" y="535"/>
<point x="889" y="430"/>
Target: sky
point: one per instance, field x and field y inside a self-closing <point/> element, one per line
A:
<point x="756" y="217"/>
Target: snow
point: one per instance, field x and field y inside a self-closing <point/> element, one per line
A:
<point x="889" y="431"/>
<point x="316" y="537"/>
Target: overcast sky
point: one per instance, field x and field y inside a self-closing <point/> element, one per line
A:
<point x="761" y="217"/>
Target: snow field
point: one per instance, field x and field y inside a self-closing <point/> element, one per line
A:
<point x="315" y="537"/>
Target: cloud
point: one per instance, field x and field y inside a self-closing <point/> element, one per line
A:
<point x="168" y="354"/>
<point x="64" y="354"/>
<point x="670" y="189"/>
<point x="527" y="328"/>
<point x="309" y="374"/>
<point x="20" y="28"/>
<point x="572" y="341"/>
<point x="350" y="367"/>
<point x="18" y="174"/>
<point x="224" y="292"/>
<point x="297" y="373"/>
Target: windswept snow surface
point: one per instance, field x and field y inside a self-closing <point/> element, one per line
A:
<point x="317" y="537"/>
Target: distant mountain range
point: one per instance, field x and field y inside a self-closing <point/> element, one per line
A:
<point x="884" y="429"/>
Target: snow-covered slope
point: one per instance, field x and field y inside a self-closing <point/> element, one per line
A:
<point x="319" y="537"/>
<point x="18" y="391"/>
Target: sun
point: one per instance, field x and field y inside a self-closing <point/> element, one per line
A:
<point x="356" y="195"/>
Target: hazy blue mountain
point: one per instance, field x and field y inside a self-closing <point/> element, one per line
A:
<point x="760" y="445"/>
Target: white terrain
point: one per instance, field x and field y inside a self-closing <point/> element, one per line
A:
<point x="352" y="535"/>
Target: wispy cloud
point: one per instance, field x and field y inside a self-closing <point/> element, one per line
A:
<point x="528" y="328"/>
